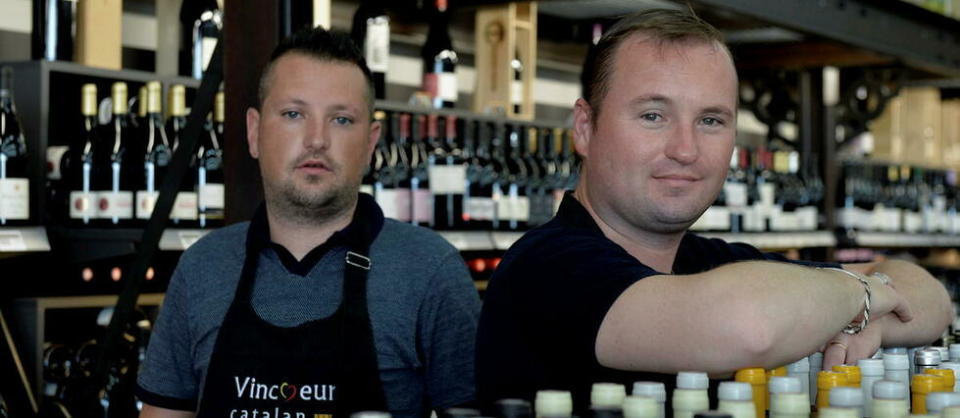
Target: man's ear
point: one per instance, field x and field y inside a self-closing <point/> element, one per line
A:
<point x="253" y="132"/>
<point x="375" y="128"/>
<point x="582" y="126"/>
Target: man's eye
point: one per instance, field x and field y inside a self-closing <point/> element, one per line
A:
<point x="710" y="121"/>
<point x="651" y="117"/>
<point x="292" y="114"/>
<point x="342" y="120"/>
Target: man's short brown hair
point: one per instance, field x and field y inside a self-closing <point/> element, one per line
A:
<point x="661" y="25"/>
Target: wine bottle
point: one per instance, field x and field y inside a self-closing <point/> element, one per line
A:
<point x="516" y="84"/>
<point x="398" y="205"/>
<point x="481" y="208"/>
<point x="115" y="191"/>
<point x="14" y="175"/>
<point x="440" y="61"/>
<point x="54" y="29"/>
<point x="201" y="22"/>
<point x="371" y="33"/>
<point x="184" y="212"/>
<point x="373" y="178"/>
<point x="517" y="203"/>
<point x="448" y="179"/>
<point x="502" y="208"/>
<point x="80" y="167"/>
<point x="536" y="193"/>
<point x="210" y="189"/>
<point x="421" y="200"/>
<point x="158" y="152"/>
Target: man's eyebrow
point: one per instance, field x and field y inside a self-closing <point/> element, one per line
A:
<point x="645" y="99"/>
<point x="720" y="109"/>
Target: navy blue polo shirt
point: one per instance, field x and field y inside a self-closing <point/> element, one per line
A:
<point x="545" y="303"/>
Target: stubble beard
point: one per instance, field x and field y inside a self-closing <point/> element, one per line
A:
<point x="310" y="207"/>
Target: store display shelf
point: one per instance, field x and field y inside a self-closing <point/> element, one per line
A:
<point x="780" y="240"/>
<point x="25" y="239"/>
<point x="902" y="239"/>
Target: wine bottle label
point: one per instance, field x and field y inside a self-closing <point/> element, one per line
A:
<point x="366" y="188"/>
<point x="377" y="44"/>
<point x="785" y="221"/>
<point x="207" y="45"/>
<point x="516" y="92"/>
<point x="735" y="193"/>
<point x="557" y="199"/>
<point x="211" y="197"/>
<point x="448" y="179"/>
<point x="83" y="205"/>
<point x="912" y="222"/>
<point x="395" y="203"/>
<point x="847" y="217"/>
<point x="12" y="240"/>
<point x="807" y="218"/>
<point x="753" y="218"/>
<point x="480" y="208"/>
<point x="14" y="199"/>
<point x="715" y="218"/>
<point x="115" y="205"/>
<point x="185" y="206"/>
<point x="422" y="206"/>
<point x="441" y="85"/>
<point x="145" y="203"/>
<point x="55" y="154"/>
<point x="521" y="208"/>
<point x="767" y="194"/>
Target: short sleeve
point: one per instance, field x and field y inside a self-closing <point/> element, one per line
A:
<point x="447" y="328"/>
<point x="166" y="377"/>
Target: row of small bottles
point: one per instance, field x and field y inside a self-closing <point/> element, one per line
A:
<point x="765" y="191"/>
<point x="445" y="172"/>
<point x="111" y="174"/>
<point x="898" y="198"/>
<point x="885" y="386"/>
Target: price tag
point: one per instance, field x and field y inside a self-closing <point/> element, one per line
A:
<point x="12" y="240"/>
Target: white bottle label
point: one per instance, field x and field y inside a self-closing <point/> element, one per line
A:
<point x="516" y="92"/>
<point x="185" y="206"/>
<point x="395" y="203"/>
<point x="115" y="205"/>
<point x="377" y="43"/>
<point x="83" y="206"/>
<point x="145" y="203"/>
<point x="447" y="86"/>
<point x="12" y="240"/>
<point x="480" y="208"/>
<point x="211" y="196"/>
<point x="521" y="208"/>
<point x="767" y="194"/>
<point x="208" y="45"/>
<point x="14" y="199"/>
<point x="54" y="156"/>
<point x="448" y="179"/>
<point x="735" y="193"/>
<point x="423" y="206"/>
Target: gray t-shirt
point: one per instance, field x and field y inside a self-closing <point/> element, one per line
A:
<point x="423" y="310"/>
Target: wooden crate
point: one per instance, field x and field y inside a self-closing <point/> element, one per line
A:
<point x="99" y="33"/>
<point x="503" y="32"/>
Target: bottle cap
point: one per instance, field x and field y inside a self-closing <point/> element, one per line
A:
<point x="936" y="401"/>
<point x="895" y="350"/>
<point x="89" y="99"/>
<point x="781" y="384"/>
<point x="838" y="412"/>
<point x="370" y="414"/>
<point x="640" y="407"/>
<point x="895" y="361"/>
<point x="799" y="366"/>
<point x="655" y="390"/>
<point x="692" y="380"/>
<point x="944" y="353"/>
<point x="779" y="371"/>
<point x="925" y="383"/>
<point x="553" y="403"/>
<point x="735" y="391"/>
<point x="119" y="93"/>
<point x="870" y="367"/>
<point x="890" y="389"/>
<point x="954" y="352"/>
<point x="753" y="376"/>
<point x="827" y="379"/>
<point x="607" y="394"/>
<point x="949" y="379"/>
<point x="852" y="372"/>
<point x="846" y="396"/>
<point x="513" y="408"/>
<point x="951" y="412"/>
<point x="712" y="414"/>
<point x="926" y="357"/>
<point x="789" y="403"/>
<point x="606" y="412"/>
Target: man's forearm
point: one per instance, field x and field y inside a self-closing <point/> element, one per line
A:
<point x="931" y="306"/>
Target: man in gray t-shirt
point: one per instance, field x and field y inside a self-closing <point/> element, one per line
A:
<point x="318" y="306"/>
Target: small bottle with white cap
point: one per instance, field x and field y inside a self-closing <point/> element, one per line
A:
<point x="944" y="352"/>
<point x="926" y="358"/>
<point x="890" y="399"/>
<point x="871" y="371"/>
<point x="784" y="384"/>
<point x="553" y="404"/>
<point x="736" y="398"/>
<point x="800" y="369"/>
<point x="789" y="405"/>
<point x="954" y="352"/>
<point x="955" y="366"/>
<point x="636" y="406"/>
<point x="607" y="395"/>
<point x="895" y="350"/>
<point x="847" y="397"/>
<point x="655" y="390"/>
<point x="896" y="367"/>
<point x="690" y="395"/>
<point x="816" y="364"/>
<point x="837" y="412"/>
<point x="937" y="401"/>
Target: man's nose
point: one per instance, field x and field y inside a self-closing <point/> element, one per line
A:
<point x="682" y="146"/>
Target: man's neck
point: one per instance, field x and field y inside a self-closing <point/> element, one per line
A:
<point x="300" y="236"/>
<point x="654" y="250"/>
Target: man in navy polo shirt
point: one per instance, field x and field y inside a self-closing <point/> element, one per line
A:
<point x="615" y="288"/>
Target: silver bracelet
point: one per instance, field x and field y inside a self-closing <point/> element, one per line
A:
<point x="852" y="329"/>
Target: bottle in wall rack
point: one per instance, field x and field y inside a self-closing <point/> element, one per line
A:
<point x="14" y="174"/>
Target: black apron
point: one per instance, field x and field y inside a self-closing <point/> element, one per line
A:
<point x="318" y="369"/>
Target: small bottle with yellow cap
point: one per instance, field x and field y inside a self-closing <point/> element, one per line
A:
<point x="827" y="380"/>
<point x="949" y="379"/>
<point x="757" y="378"/>
<point x="852" y="372"/>
<point x="921" y="386"/>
